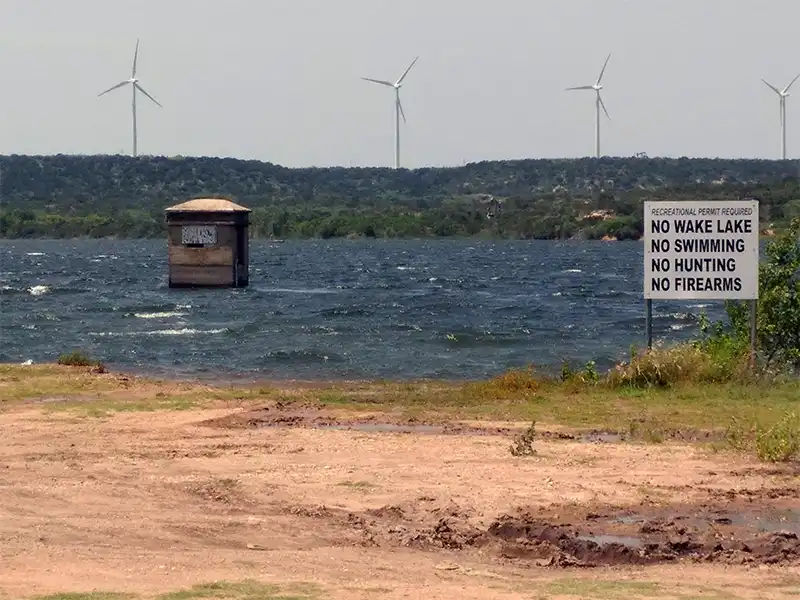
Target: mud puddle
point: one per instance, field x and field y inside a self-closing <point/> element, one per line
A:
<point x="608" y="539"/>
<point x="649" y="536"/>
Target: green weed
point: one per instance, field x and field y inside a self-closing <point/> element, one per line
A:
<point x="523" y="442"/>
<point x="245" y="590"/>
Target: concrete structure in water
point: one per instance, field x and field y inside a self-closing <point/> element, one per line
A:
<point x="208" y="243"/>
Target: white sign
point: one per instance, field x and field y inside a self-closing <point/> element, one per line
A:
<point x="701" y="250"/>
<point x="205" y="235"/>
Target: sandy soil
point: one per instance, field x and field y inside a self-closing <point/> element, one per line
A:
<point x="150" y="503"/>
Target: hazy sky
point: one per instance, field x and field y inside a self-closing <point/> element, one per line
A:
<point x="278" y="80"/>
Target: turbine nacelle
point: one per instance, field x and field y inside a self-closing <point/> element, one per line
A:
<point x="784" y="93"/>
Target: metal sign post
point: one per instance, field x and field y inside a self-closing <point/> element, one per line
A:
<point x="753" y="332"/>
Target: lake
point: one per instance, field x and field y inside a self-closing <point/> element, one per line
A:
<point x="451" y="309"/>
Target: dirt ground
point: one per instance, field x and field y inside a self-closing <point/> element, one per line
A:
<point x="157" y="502"/>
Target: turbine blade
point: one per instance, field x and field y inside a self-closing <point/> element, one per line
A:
<point x="786" y="89"/>
<point x="403" y="76"/>
<point x="772" y="87"/>
<point x="603" y="104"/>
<point x="113" y="87"/>
<point x="378" y="81"/>
<point x="141" y="89"/>
<point x="581" y="87"/>
<point x="135" y="56"/>
<point x="605" y="64"/>
<point x="402" y="113"/>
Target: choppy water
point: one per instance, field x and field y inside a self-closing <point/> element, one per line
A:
<point x="332" y="309"/>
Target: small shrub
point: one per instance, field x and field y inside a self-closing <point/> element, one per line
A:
<point x="588" y="374"/>
<point x="523" y="442"/>
<point x="513" y="384"/>
<point x="76" y="359"/>
<point x="516" y="380"/>
<point x="664" y="367"/>
<point x="566" y="371"/>
<point x="728" y="350"/>
<point x="781" y="441"/>
<point x="778" y="312"/>
<point x="646" y="431"/>
<point x="81" y="359"/>
<point x="738" y="435"/>
<point x="778" y="442"/>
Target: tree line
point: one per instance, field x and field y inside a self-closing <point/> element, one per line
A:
<point x="68" y="196"/>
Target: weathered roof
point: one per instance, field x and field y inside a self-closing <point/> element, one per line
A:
<point x="208" y="205"/>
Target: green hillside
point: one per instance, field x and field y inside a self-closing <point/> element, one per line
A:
<point x="98" y="196"/>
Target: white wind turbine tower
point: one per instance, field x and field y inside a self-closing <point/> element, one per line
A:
<point x="598" y="105"/>
<point x="782" y="95"/>
<point x="134" y="83"/>
<point x="398" y="108"/>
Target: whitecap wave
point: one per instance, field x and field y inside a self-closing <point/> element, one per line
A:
<point x="298" y="291"/>
<point x="35" y="253"/>
<point x="38" y="290"/>
<point x="572" y="271"/>
<point x="184" y="331"/>
<point x="159" y="315"/>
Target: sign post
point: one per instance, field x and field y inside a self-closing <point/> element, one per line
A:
<point x="701" y="250"/>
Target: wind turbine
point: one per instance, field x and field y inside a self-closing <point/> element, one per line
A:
<point x="398" y="108"/>
<point x="782" y="95"/>
<point x="598" y="104"/>
<point x="134" y="83"/>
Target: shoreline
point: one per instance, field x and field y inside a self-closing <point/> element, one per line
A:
<point x="240" y="380"/>
<point x="763" y="236"/>
<point x="577" y="403"/>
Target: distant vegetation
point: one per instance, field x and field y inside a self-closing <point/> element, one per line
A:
<point x="103" y="196"/>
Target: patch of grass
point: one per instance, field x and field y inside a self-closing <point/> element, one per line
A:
<point x="245" y="590"/>
<point x="357" y="485"/>
<point x="102" y="407"/>
<point x="583" y="588"/>
<point x="86" y="596"/>
<point x="380" y="591"/>
<point x="18" y="383"/>
<point x="519" y="396"/>
<point x="82" y="389"/>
